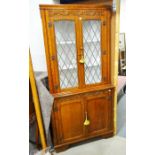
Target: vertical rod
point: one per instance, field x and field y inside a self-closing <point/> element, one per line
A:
<point x="117" y="27"/>
<point x="36" y="103"/>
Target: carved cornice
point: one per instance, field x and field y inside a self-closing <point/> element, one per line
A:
<point x="75" y="12"/>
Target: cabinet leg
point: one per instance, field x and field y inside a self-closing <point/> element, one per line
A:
<point x="107" y="136"/>
<point x="63" y="148"/>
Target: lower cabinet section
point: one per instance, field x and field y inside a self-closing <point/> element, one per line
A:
<point x="83" y="116"/>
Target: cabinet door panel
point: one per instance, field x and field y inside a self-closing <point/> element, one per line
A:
<point x="96" y="49"/>
<point x="92" y="50"/>
<point x="71" y="114"/>
<point x="99" y="109"/>
<point x="65" y="38"/>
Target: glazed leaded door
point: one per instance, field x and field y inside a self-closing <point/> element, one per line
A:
<point x="65" y="37"/>
<point x="92" y="51"/>
<point x="79" y="52"/>
<point x="95" y="51"/>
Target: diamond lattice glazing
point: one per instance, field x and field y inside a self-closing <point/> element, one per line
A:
<point x="92" y="51"/>
<point x="66" y="53"/>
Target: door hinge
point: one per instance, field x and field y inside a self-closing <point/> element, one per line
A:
<point x="56" y="87"/>
<point x="53" y="57"/>
<point x="55" y="109"/>
<point x="104" y="78"/>
<point x="104" y="22"/>
<point x="50" y="24"/>
<point x="104" y="52"/>
<point x="109" y="98"/>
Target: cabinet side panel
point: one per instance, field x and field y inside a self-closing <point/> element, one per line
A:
<point x="108" y="16"/>
<point x="44" y="28"/>
<point x="106" y="63"/>
<point x="117" y="30"/>
<point x="114" y="56"/>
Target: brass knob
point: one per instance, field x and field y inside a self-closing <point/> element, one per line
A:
<point x="86" y="122"/>
<point x="82" y="61"/>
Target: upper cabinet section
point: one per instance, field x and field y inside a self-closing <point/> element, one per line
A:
<point x="77" y="43"/>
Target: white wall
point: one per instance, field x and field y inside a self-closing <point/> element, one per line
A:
<point x="123" y="16"/>
<point x="36" y="35"/>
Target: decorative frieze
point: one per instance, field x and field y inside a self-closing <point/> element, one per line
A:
<point x="75" y="12"/>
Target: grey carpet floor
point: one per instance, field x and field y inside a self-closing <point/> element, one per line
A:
<point x="121" y="116"/>
<point x="110" y="146"/>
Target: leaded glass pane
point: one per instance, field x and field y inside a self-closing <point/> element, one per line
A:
<point x="92" y="50"/>
<point x="66" y="53"/>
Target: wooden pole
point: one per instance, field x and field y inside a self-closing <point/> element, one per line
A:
<point x="117" y="31"/>
<point x="36" y="103"/>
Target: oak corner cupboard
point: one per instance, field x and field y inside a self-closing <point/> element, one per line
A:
<point x="78" y="55"/>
